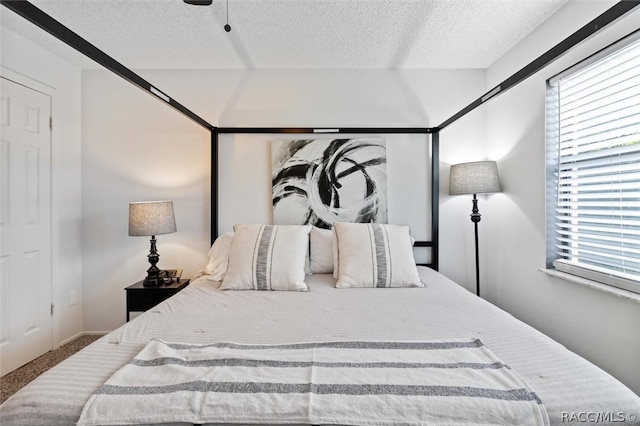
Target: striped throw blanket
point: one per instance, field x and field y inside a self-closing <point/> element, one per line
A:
<point x="355" y="383"/>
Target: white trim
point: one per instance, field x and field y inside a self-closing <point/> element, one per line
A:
<point x="82" y="333"/>
<point x="600" y="275"/>
<point x="70" y="339"/>
<point x="624" y="294"/>
<point x="95" y="333"/>
<point x="46" y="90"/>
<point x="25" y="80"/>
<point x="631" y="38"/>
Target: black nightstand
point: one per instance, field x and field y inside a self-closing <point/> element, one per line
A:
<point x="141" y="298"/>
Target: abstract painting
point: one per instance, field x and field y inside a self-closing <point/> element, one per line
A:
<point x="320" y="181"/>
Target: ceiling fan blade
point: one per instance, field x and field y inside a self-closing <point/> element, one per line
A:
<point x="199" y="2"/>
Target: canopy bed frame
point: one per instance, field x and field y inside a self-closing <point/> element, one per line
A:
<point x="39" y="18"/>
<point x="58" y="30"/>
<point x="432" y="243"/>
<point x="436" y="314"/>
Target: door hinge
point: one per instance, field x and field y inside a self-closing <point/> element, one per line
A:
<point x="52" y="309"/>
<point x="50" y="123"/>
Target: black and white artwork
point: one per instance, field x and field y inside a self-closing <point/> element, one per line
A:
<point x="320" y="181"/>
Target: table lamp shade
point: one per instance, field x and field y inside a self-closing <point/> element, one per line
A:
<point x="479" y="177"/>
<point x="151" y="218"/>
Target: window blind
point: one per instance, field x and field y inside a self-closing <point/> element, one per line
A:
<point x="596" y="175"/>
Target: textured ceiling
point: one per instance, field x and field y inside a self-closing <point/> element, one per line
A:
<point x="267" y="34"/>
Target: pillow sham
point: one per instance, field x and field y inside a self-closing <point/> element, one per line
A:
<point x="321" y="251"/>
<point x="334" y="248"/>
<point x="267" y="257"/>
<point x="218" y="258"/>
<point x="375" y="255"/>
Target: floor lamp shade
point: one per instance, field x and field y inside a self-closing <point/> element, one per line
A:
<point x="150" y="219"/>
<point x="479" y="177"/>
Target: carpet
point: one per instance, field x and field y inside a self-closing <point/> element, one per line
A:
<point x="14" y="381"/>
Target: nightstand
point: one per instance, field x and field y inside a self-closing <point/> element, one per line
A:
<point x="141" y="298"/>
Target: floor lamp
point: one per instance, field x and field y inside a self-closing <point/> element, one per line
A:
<point x="479" y="177"/>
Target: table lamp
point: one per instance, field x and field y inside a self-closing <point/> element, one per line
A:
<point x="151" y="218"/>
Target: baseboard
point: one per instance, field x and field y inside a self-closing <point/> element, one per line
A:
<point x="83" y="333"/>
<point x="70" y="339"/>
<point x="95" y="333"/>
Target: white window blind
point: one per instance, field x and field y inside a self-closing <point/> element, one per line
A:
<point x="594" y="169"/>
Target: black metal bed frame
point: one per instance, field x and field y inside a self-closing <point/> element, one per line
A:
<point x="39" y="18"/>
<point x="435" y="168"/>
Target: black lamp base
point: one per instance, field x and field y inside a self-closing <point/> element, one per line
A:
<point x="153" y="279"/>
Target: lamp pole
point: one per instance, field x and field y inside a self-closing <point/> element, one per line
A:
<point x="475" y="218"/>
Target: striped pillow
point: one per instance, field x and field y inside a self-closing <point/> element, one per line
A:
<point x="267" y="257"/>
<point x="375" y="255"/>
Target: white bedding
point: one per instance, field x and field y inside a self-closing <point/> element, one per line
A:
<point x="566" y="383"/>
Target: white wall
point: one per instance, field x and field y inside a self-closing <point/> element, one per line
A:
<point x="601" y="327"/>
<point x="61" y="80"/>
<point x="136" y="148"/>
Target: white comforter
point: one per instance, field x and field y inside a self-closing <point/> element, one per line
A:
<point x="566" y="383"/>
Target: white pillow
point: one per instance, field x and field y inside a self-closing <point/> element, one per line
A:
<point x="267" y="257"/>
<point x="375" y="255"/>
<point x="334" y="248"/>
<point x="321" y="250"/>
<point x="218" y="258"/>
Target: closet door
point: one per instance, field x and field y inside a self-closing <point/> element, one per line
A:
<point x="26" y="321"/>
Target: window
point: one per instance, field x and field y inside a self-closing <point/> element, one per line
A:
<point x="593" y="167"/>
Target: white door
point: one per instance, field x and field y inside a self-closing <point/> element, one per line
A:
<point x="26" y="321"/>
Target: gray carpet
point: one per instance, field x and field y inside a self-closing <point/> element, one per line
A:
<point x="14" y="381"/>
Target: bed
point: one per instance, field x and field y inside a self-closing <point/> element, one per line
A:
<point x="332" y="326"/>
<point x="567" y="385"/>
